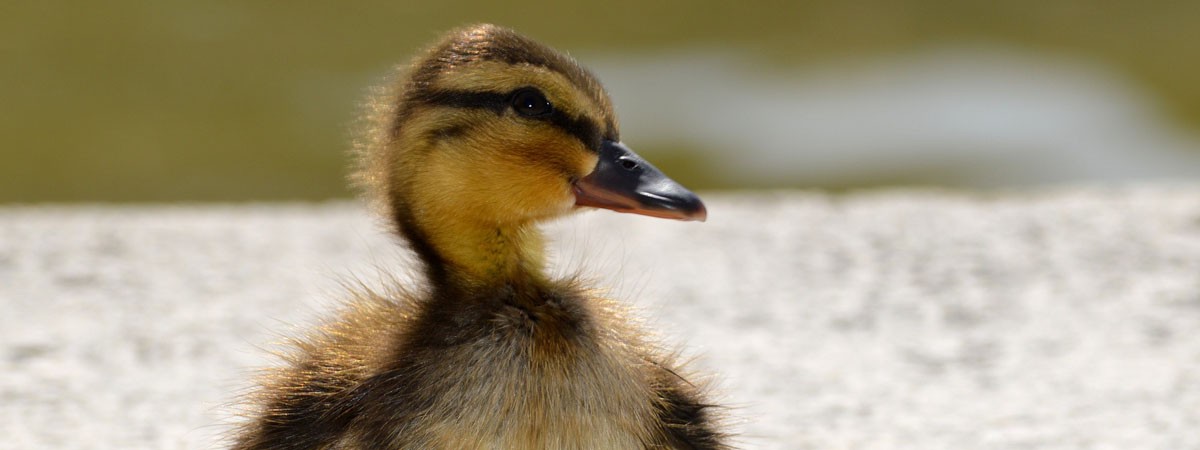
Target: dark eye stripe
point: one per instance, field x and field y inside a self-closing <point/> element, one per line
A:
<point x="580" y="127"/>
<point x="466" y="99"/>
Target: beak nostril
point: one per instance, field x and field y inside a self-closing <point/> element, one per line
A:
<point x="629" y="164"/>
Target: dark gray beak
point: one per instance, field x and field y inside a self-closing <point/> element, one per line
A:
<point x="624" y="182"/>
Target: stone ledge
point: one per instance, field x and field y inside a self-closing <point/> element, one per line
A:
<point x="887" y="320"/>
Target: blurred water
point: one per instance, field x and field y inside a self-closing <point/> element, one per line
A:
<point x="963" y="116"/>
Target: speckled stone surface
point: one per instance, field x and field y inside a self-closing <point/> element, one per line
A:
<point x="1063" y="319"/>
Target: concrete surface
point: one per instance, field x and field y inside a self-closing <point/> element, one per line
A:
<point x="1064" y="319"/>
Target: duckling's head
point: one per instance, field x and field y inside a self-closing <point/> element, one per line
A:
<point x="489" y="127"/>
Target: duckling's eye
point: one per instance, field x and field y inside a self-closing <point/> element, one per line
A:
<point x="529" y="102"/>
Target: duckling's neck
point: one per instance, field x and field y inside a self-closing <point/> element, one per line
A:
<point x="473" y="255"/>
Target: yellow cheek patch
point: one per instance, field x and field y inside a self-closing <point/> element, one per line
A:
<point x="525" y="146"/>
<point x="515" y="169"/>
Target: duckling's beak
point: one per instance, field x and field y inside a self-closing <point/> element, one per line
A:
<point x="624" y="182"/>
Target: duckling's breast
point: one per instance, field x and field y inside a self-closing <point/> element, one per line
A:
<point x="551" y="370"/>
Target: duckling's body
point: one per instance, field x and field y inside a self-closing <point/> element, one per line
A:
<point x="490" y="133"/>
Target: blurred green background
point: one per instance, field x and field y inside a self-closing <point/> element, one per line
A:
<point x="160" y="100"/>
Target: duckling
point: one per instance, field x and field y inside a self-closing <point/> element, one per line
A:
<point x="487" y="134"/>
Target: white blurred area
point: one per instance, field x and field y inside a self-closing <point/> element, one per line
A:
<point x="971" y="116"/>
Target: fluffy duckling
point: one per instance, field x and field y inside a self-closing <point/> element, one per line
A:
<point x="487" y="134"/>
